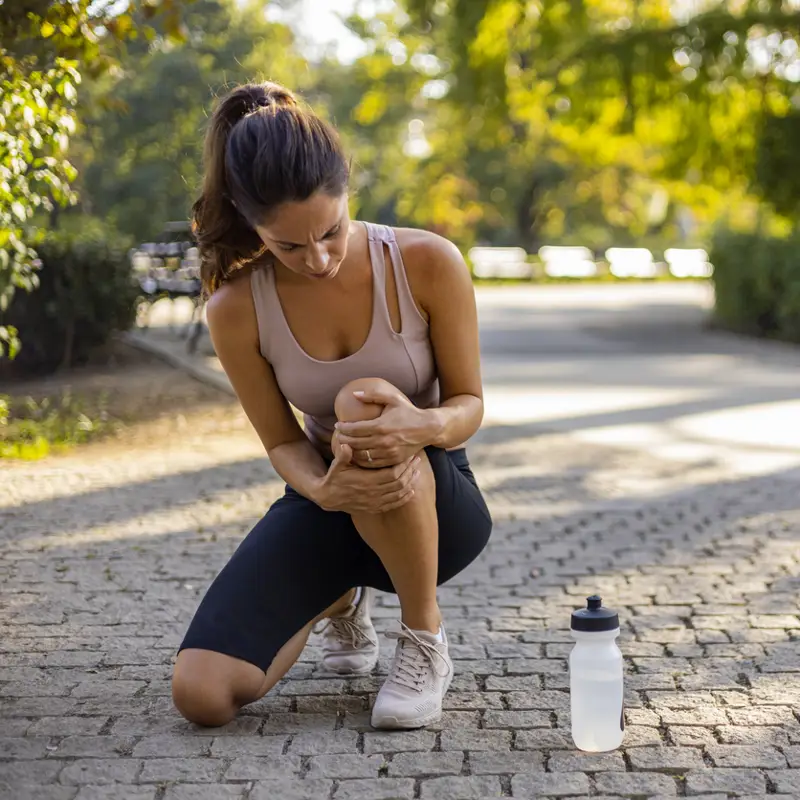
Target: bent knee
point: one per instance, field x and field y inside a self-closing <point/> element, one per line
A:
<point x="201" y="695"/>
<point x="349" y="408"/>
<point x="202" y="702"/>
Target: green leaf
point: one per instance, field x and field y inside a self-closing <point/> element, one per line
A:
<point x="68" y="91"/>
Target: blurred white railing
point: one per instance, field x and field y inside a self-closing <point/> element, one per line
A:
<point x="568" y="262"/>
<point x="579" y="262"/>
<point x="500" y="262"/>
<point x="688" y="263"/>
<point x="631" y="262"/>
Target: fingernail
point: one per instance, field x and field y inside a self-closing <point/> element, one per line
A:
<point x="358" y="394"/>
<point x="416" y="474"/>
<point x="417" y="460"/>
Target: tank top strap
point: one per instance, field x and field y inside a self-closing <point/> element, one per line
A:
<point x="409" y="313"/>
<point x="376" y="238"/>
<point x="269" y="313"/>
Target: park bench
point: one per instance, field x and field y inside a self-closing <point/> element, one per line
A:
<point x="169" y="268"/>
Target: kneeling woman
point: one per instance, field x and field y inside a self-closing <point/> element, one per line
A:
<point x="372" y="334"/>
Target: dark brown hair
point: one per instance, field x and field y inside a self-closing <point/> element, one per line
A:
<point x="262" y="149"/>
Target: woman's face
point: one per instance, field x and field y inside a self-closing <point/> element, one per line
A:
<point x="309" y="237"/>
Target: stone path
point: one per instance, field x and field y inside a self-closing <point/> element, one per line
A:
<point x="660" y="472"/>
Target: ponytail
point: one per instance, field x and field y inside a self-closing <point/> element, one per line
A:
<point x="261" y="149"/>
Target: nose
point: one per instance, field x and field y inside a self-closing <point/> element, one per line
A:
<point x="317" y="259"/>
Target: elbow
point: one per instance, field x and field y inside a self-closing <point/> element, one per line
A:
<point x="477" y="414"/>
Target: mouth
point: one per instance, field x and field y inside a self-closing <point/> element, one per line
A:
<point x="329" y="272"/>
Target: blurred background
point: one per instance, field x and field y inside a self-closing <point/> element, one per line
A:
<point x="551" y="140"/>
<point x="623" y="179"/>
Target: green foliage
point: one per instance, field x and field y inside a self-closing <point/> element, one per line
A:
<point x="627" y="97"/>
<point x="139" y="152"/>
<point x="86" y="292"/>
<point x="36" y="119"/>
<point x="506" y="122"/>
<point x="31" y="429"/>
<point x="757" y="281"/>
<point x="778" y="163"/>
<point x="44" y="46"/>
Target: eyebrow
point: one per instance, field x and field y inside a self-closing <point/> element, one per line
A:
<point x="295" y="244"/>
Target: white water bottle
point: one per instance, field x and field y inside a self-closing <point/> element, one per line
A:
<point x="595" y="679"/>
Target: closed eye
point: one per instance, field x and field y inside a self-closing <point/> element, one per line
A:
<point x="288" y="247"/>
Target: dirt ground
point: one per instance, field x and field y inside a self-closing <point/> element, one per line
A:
<point x="146" y="399"/>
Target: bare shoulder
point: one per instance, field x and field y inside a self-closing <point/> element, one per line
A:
<point x="432" y="262"/>
<point x="426" y="251"/>
<point x="230" y="310"/>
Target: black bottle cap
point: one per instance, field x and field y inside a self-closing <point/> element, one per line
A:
<point x="594" y="618"/>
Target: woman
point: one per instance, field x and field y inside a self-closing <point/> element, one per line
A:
<point x="373" y="335"/>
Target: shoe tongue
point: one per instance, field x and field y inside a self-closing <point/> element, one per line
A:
<point x="426" y="636"/>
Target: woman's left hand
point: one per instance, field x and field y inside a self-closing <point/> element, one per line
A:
<point x="402" y="430"/>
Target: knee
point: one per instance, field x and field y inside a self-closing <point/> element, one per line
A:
<point x="349" y="408"/>
<point x="200" y="699"/>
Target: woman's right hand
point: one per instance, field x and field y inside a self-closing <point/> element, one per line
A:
<point x="349" y="488"/>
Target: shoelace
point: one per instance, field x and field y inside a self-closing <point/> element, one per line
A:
<point x="346" y="628"/>
<point x="411" y="662"/>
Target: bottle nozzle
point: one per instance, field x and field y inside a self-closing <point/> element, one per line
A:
<point x="595" y="602"/>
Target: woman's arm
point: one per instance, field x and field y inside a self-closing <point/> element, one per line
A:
<point x="234" y="334"/>
<point x="442" y="288"/>
<point x="441" y="282"/>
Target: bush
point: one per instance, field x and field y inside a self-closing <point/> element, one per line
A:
<point x="757" y="280"/>
<point x="86" y="293"/>
<point x="30" y="429"/>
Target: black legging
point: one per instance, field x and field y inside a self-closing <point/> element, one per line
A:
<point x="299" y="559"/>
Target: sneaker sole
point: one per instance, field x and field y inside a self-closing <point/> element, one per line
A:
<point x="393" y="723"/>
<point x="364" y="671"/>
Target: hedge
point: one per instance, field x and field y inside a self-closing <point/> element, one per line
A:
<point x="86" y="293"/>
<point x="757" y="281"/>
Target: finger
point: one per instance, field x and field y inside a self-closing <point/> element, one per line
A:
<point x="378" y="457"/>
<point x="369" y="441"/>
<point x="399" y="471"/>
<point x="377" y="395"/>
<point x="404" y="467"/>
<point x="343" y="457"/>
<point x="365" y="427"/>
<point x="392" y="497"/>
<point x="375" y="463"/>
<point x="373" y="475"/>
<point x="385" y="458"/>
<point x="400" y="501"/>
<point x="404" y="482"/>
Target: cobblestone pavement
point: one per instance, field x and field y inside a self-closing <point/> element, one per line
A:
<point x="103" y="559"/>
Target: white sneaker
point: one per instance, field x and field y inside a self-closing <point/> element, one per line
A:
<point x="418" y="680"/>
<point x="349" y="642"/>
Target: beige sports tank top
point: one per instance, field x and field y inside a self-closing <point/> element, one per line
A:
<point x="404" y="359"/>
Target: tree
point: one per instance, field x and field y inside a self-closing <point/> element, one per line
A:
<point x="139" y="149"/>
<point x="44" y="46"/>
<point x="624" y="96"/>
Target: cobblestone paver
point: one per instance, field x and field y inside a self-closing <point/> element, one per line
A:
<point x="103" y="558"/>
<point x="104" y="562"/>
